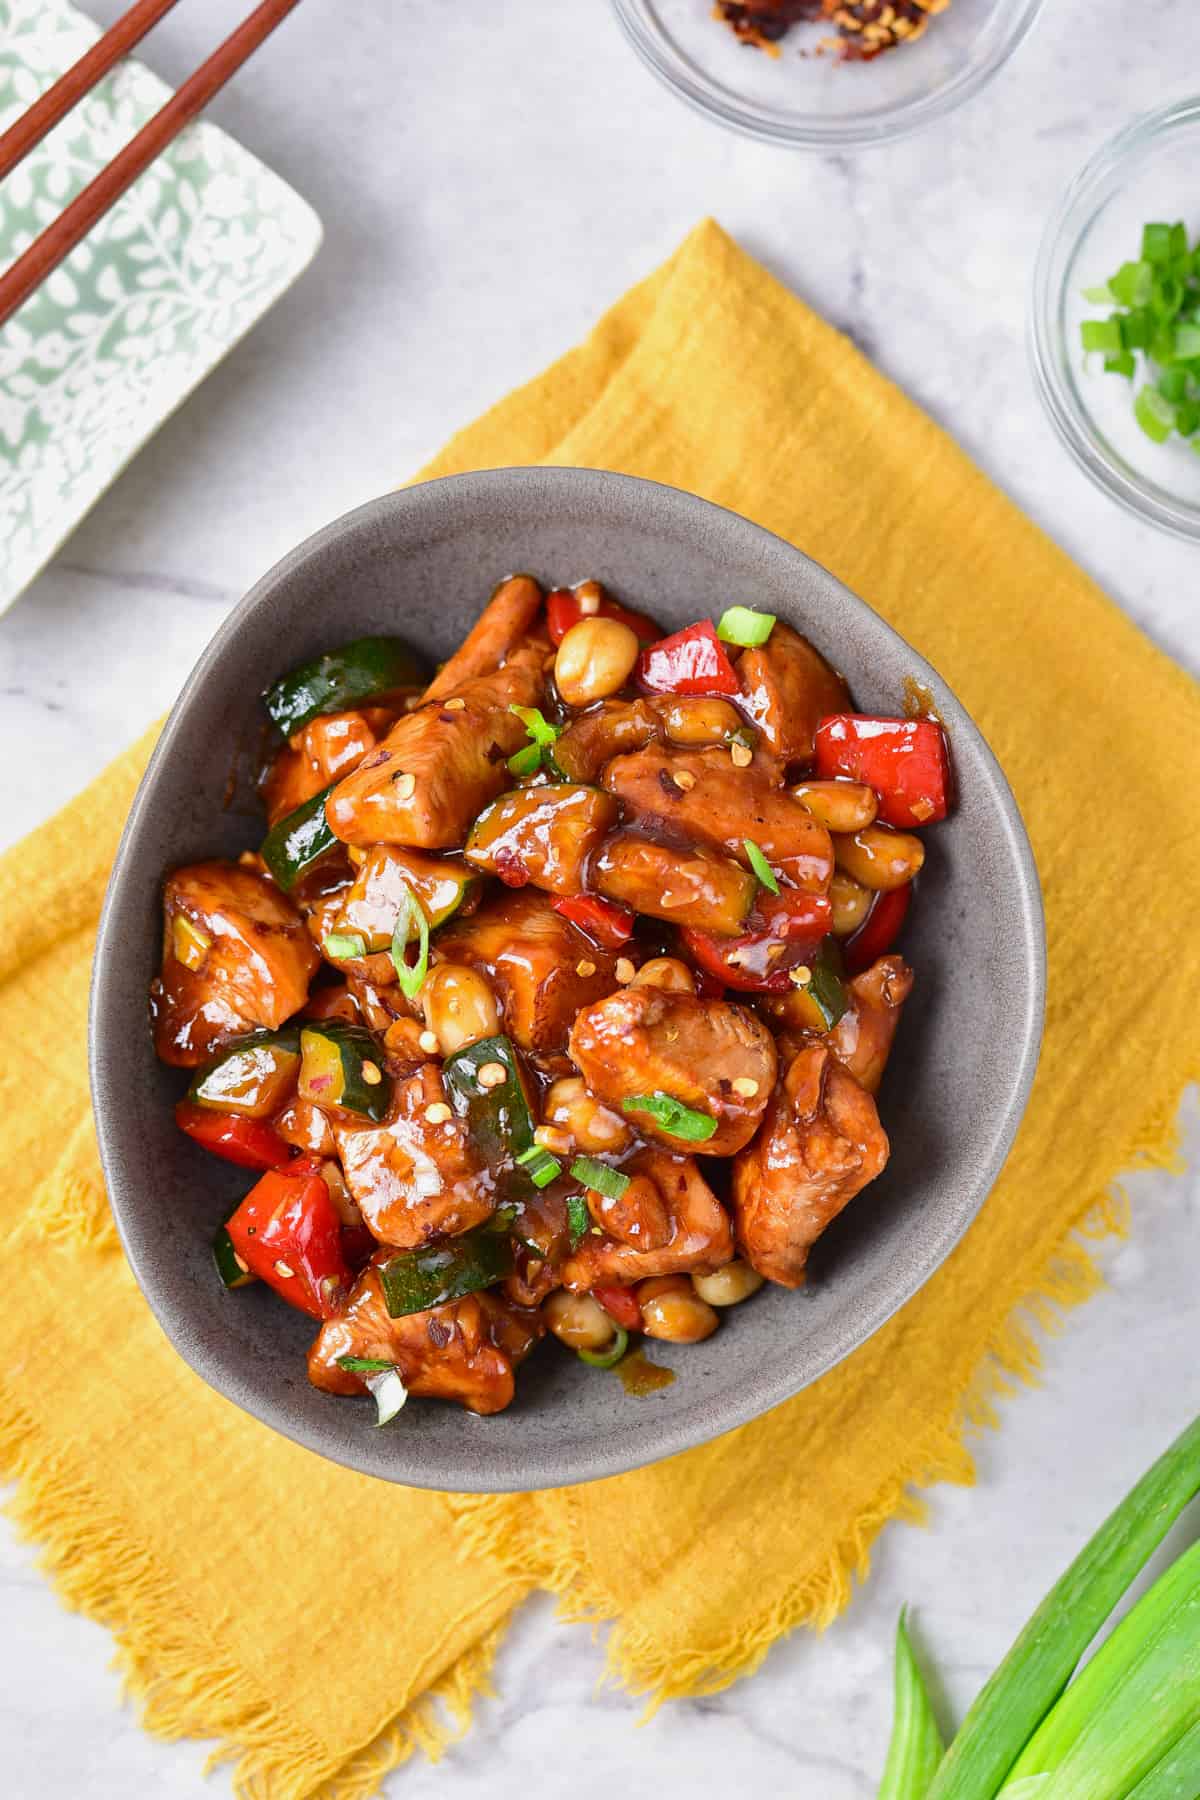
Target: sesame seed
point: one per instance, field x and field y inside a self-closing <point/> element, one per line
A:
<point x="405" y="785"/>
<point x="428" y="1042"/>
<point x="437" y="1114"/>
<point x="281" y="1268"/>
<point x="492" y="1074"/>
<point x="585" y="968"/>
<point x="685" y="779"/>
<point x="741" y="755"/>
<point x="243" y="1266"/>
<point x="372" y="1074"/>
<point x="457" y="704"/>
<point x="625" y="970"/>
<point x="801" y="975"/>
<point x="588" y="597"/>
<point x="746" y="1086"/>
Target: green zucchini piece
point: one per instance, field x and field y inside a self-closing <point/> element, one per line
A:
<point x="366" y="669"/>
<point x="827" y="989"/>
<point x="231" y="1271"/>
<point x="415" y="1280"/>
<point x="341" y="1065"/>
<point x="253" y="1077"/>
<point x="299" y="840"/>
<point x="228" y="1267"/>
<point x="389" y="875"/>
<point x="499" y="1116"/>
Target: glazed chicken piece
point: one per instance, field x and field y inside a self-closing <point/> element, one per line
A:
<point x="539" y="966"/>
<point x="711" y="1055"/>
<point x="439" y="766"/>
<point x="787" y="689"/>
<point x="328" y="747"/>
<point x="670" y="1222"/>
<point x="618" y="727"/>
<point x="542" y="834"/>
<point x="236" y="956"/>
<point x="820" y="1144"/>
<point x="505" y="621"/>
<point x="700" y="796"/>
<point x="862" y="1038"/>
<point x="465" y="1350"/>
<point x="413" y="1180"/>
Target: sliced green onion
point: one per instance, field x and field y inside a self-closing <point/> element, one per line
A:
<point x="1156" y="243"/>
<point x="826" y="985"/>
<point x="502" y="1218"/>
<point x="1013" y="1703"/>
<point x="1187" y="418"/>
<point x="1176" y="1776"/>
<point x="1132" y="284"/>
<point x="1187" y="340"/>
<point x="1124" y="363"/>
<point x="389" y="1394"/>
<point x="600" y="1175"/>
<point x="1172" y="384"/>
<point x="916" y="1748"/>
<point x="1136" y="328"/>
<point x="761" y="866"/>
<point x="363" y="1365"/>
<point x="1101" y="334"/>
<point x="526" y="761"/>
<point x="607" y="1359"/>
<point x="1130" y="1703"/>
<point x="344" y="944"/>
<point x="1099" y="296"/>
<point x="411" y="976"/>
<point x="540" y="1166"/>
<point x="743" y="625"/>
<point x="579" y="1219"/>
<point x="543" y="737"/>
<point x="674" y="1117"/>
<point x="1155" y="415"/>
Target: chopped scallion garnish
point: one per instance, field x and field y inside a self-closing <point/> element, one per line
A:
<point x="607" y="1359"/>
<point x="600" y="1176"/>
<point x="363" y="1365"/>
<point x="761" y="866"/>
<point x="389" y="1394"/>
<point x="744" y="626"/>
<point x="344" y="944"/>
<point x="543" y="737"/>
<point x="540" y="1166"/>
<point x="673" y="1116"/>
<point x="578" y="1219"/>
<point x="411" y="976"/>
<point x="1157" y="314"/>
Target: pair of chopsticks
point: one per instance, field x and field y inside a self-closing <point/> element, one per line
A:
<point x="74" y="223"/>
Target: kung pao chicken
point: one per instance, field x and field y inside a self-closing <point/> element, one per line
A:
<point x="559" y="993"/>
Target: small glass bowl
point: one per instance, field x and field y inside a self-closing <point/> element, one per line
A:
<point x="815" y="102"/>
<point x="1148" y="171"/>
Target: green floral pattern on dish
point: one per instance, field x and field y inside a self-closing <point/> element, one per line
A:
<point x="139" y="313"/>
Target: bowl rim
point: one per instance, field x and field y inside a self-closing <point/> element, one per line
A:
<point x="1044" y="334"/>
<point x="812" y="131"/>
<point x="640" y="1445"/>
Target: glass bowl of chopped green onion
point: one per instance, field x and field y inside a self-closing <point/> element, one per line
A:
<point x="1114" y="326"/>
<point x="812" y="87"/>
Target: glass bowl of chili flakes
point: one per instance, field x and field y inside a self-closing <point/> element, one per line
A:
<point x="825" y="74"/>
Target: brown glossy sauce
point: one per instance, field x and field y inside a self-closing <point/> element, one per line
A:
<point x="919" y="702"/>
<point x="639" y="1376"/>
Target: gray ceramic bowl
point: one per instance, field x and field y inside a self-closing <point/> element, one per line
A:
<point x="421" y="562"/>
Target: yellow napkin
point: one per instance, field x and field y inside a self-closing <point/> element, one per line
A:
<point x="310" y="1619"/>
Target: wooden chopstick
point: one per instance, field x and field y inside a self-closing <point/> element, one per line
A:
<point x="74" y="223"/>
<point x="78" y="80"/>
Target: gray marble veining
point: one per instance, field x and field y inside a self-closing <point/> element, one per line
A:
<point x="469" y="239"/>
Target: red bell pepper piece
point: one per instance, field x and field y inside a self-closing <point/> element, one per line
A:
<point x="288" y="1233"/>
<point x="620" y="1303"/>
<point x="606" y="922"/>
<point x="879" y="930"/>
<point x="563" y="610"/>
<point x="691" y="662"/>
<point x="787" y="930"/>
<point x="906" y="761"/>
<point x="250" y="1143"/>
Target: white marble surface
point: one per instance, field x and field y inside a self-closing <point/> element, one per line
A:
<point x="489" y="180"/>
